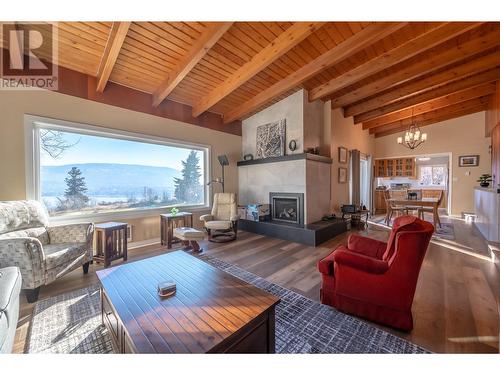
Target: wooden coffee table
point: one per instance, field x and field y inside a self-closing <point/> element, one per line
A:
<point x="211" y="312"/>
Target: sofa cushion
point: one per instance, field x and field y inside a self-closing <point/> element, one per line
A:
<point x="18" y="215"/>
<point x="63" y="253"/>
<point x="10" y="287"/>
<point x="39" y="233"/>
<point x="218" y="224"/>
<point x="187" y="234"/>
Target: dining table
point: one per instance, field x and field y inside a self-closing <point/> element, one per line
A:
<point x="422" y="202"/>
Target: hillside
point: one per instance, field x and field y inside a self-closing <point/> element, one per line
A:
<point x="110" y="179"/>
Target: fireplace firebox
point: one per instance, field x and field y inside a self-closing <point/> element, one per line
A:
<point x="287" y="208"/>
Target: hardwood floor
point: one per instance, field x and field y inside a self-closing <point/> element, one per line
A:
<point x="456" y="306"/>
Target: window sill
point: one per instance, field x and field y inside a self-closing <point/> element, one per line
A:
<point x="120" y="215"/>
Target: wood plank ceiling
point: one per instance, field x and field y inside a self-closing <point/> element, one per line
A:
<point x="383" y="74"/>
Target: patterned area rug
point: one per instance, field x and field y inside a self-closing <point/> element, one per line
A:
<point x="71" y="323"/>
<point x="445" y="231"/>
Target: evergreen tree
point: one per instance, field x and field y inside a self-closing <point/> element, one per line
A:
<point x="75" y="188"/>
<point x="188" y="188"/>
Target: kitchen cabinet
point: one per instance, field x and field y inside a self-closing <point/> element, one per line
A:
<point x="401" y="167"/>
<point x="380" y="202"/>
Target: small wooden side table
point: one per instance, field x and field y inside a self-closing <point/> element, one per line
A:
<point x="167" y="224"/>
<point x="111" y="242"/>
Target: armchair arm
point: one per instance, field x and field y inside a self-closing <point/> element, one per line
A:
<point x="81" y="232"/>
<point x="360" y="262"/>
<point x="207" y="217"/>
<point x="27" y="254"/>
<point x="366" y="246"/>
<point x="235" y="218"/>
<point x="325" y="265"/>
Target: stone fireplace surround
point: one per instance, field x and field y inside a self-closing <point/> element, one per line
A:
<point x="305" y="174"/>
<point x="295" y="172"/>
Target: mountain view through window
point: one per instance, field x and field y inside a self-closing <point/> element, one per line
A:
<point x="82" y="173"/>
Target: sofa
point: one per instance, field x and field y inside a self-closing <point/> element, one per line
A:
<point x="10" y="288"/>
<point x="42" y="252"/>
<point x="374" y="279"/>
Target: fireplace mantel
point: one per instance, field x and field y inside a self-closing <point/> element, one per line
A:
<point x="277" y="159"/>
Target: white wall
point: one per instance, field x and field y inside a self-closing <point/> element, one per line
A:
<point x="344" y="133"/>
<point x="304" y="122"/>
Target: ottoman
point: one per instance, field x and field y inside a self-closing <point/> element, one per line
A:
<point x="189" y="238"/>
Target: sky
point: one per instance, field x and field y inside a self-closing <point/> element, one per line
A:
<point x="94" y="149"/>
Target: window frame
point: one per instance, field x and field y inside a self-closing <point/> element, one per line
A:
<point x="432" y="166"/>
<point x="33" y="124"/>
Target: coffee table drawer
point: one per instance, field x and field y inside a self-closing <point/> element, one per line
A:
<point x="109" y="317"/>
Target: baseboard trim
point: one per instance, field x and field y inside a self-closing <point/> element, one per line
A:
<point x="151" y="241"/>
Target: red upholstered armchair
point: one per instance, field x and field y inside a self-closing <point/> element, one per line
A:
<point x="377" y="280"/>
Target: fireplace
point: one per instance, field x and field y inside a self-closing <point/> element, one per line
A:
<point x="287" y="208"/>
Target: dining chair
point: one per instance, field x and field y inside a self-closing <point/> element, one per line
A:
<point x="433" y="210"/>
<point x="391" y="208"/>
<point x="415" y="207"/>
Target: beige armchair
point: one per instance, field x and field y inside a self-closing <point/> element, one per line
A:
<point x="42" y="252"/>
<point x="222" y="223"/>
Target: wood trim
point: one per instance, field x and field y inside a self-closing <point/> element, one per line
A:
<point x="493" y="113"/>
<point x="274" y="50"/>
<point x="412" y="47"/>
<point x="115" y="41"/>
<point x="83" y="86"/>
<point x="428" y="118"/>
<point x="433" y="93"/>
<point x="206" y="41"/>
<point x="425" y="65"/>
<point x="462" y="71"/>
<point x="359" y="41"/>
<point x="444" y="101"/>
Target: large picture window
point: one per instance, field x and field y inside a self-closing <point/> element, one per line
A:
<point x="83" y="171"/>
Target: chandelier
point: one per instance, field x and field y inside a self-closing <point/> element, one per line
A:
<point x="413" y="137"/>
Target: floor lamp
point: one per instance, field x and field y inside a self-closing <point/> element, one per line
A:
<point x="223" y="161"/>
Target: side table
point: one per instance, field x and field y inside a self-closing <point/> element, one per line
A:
<point x="167" y="224"/>
<point x="111" y="242"/>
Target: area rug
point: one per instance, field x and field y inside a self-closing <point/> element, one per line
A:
<point x="445" y="231"/>
<point x="71" y="323"/>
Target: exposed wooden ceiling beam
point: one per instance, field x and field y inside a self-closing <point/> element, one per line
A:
<point x="434" y="120"/>
<point x="359" y="41"/>
<point x="415" y="87"/>
<point x="424" y="65"/>
<point x="422" y="119"/>
<point x="472" y="81"/>
<point x="274" y="50"/>
<point x="214" y="32"/>
<point x="444" y="101"/>
<point x="116" y="37"/>
<point x="431" y="38"/>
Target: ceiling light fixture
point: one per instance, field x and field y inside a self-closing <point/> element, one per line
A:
<point x="413" y="137"/>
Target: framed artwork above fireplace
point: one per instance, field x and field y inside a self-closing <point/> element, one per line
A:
<point x="271" y="139"/>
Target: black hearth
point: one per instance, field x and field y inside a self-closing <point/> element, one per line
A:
<point x="287" y="208"/>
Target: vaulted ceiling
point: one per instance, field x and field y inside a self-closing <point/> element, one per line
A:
<point x="383" y="74"/>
